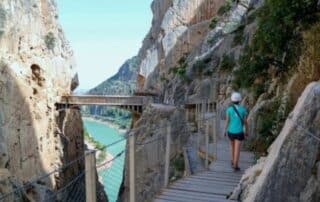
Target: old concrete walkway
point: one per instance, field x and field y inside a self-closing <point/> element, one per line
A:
<point x="131" y="103"/>
<point x="213" y="185"/>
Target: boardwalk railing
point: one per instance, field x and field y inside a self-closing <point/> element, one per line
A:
<point x="82" y="171"/>
<point x="207" y="118"/>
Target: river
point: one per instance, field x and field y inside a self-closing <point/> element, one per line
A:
<point x="111" y="177"/>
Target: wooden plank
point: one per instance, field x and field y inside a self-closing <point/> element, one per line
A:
<point x="220" y="181"/>
<point x="228" y="170"/>
<point x="204" y="185"/>
<point x="195" y="194"/>
<point x="213" y="177"/>
<point x="207" y="184"/>
<point x="173" y="199"/>
<point x="231" y="180"/>
<point x="228" y="165"/>
<point x="190" y="198"/>
<point x="222" y="190"/>
<point x="182" y="199"/>
<point x="227" y="174"/>
<point x="206" y="179"/>
<point x="161" y="200"/>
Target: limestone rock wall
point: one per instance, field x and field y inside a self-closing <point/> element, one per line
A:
<point x="36" y="67"/>
<point x="173" y="33"/>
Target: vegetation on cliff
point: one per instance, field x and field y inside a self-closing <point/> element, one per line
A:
<point x="102" y="149"/>
<point x="274" y="52"/>
<point x="277" y="41"/>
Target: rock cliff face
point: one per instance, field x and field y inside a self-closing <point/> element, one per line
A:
<point x="206" y="49"/>
<point x="177" y="27"/>
<point x="36" y="67"/>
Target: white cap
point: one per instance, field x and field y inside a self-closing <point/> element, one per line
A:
<point x="236" y="97"/>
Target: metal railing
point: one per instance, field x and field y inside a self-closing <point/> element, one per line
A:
<point x="81" y="186"/>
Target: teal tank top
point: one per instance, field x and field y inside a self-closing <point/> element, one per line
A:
<point x="235" y="126"/>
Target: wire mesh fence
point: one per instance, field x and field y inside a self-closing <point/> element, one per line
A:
<point x="112" y="175"/>
<point x="63" y="184"/>
<point x="69" y="182"/>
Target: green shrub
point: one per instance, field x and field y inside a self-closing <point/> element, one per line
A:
<point x="238" y="36"/>
<point x="227" y="63"/>
<point x="90" y="139"/>
<point x="258" y="89"/>
<point x="183" y="61"/>
<point x="163" y="79"/>
<point x="213" y="23"/>
<point x="178" y="168"/>
<point x="225" y="8"/>
<point x="50" y="41"/>
<point x="276" y="41"/>
<point x="180" y="69"/>
<point x="201" y="65"/>
<point x="178" y="164"/>
<point x="265" y="136"/>
<point x="252" y="66"/>
<point x="209" y="72"/>
<point x="252" y="16"/>
<point x="211" y="41"/>
<point x="102" y="156"/>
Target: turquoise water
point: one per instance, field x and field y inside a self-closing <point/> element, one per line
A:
<point x="111" y="177"/>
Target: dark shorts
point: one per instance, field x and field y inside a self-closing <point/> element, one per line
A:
<point x="236" y="136"/>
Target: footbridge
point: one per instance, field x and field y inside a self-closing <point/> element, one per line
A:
<point x="131" y="103"/>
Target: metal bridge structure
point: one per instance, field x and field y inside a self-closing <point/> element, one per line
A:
<point x="131" y="103"/>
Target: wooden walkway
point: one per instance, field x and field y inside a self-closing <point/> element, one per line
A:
<point x="213" y="185"/>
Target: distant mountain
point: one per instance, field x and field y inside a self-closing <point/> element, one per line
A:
<point x="122" y="83"/>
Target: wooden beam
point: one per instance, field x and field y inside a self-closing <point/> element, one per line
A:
<point x="105" y="100"/>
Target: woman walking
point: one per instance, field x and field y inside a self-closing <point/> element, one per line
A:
<point x="236" y="127"/>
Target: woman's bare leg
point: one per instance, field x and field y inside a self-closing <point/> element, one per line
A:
<point x="232" y="151"/>
<point x="237" y="145"/>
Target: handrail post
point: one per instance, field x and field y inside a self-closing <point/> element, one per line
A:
<point x="167" y="157"/>
<point x="217" y="119"/>
<point x="90" y="177"/>
<point x="132" y="176"/>
<point x="215" y="132"/>
<point x="198" y="125"/>
<point x="203" y="112"/>
<point x="207" y="145"/>
<point x="187" y="114"/>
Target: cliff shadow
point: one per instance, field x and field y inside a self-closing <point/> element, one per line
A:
<point x="30" y="147"/>
<point x="20" y="146"/>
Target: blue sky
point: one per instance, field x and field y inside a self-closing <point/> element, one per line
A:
<point x="103" y="34"/>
